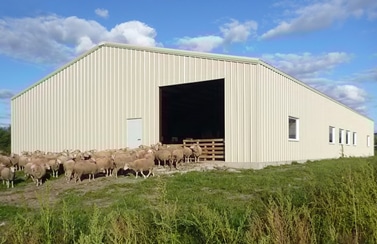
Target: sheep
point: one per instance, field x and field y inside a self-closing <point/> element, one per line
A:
<point x="2" y="166"/>
<point x="163" y="155"/>
<point x="105" y="164"/>
<point x="85" y="167"/>
<point x="54" y="166"/>
<point x="15" y="158"/>
<point x="27" y="171"/>
<point x="177" y="156"/>
<point x="8" y="175"/>
<point x="196" y="151"/>
<point x="102" y="154"/>
<point x="142" y="164"/>
<point x="6" y="161"/>
<point x="22" y="161"/>
<point x="187" y="152"/>
<point x="120" y="159"/>
<point x="68" y="168"/>
<point x="38" y="171"/>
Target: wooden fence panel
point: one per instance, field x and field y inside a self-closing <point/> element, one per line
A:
<point x="213" y="149"/>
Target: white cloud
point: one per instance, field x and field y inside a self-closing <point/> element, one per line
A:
<point x="201" y="43"/>
<point x="133" y="32"/>
<point x="104" y="13"/>
<point x="56" y="40"/>
<point x="232" y="32"/>
<point x="321" y="15"/>
<point x="6" y="94"/>
<point x="306" y="65"/>
<point x="238" y="32"/>
<point x="369" y="75"/>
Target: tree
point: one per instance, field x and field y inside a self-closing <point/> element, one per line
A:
<point x="5" y="139"/>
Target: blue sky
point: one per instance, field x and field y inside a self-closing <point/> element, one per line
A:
<point x="330" y="45"/>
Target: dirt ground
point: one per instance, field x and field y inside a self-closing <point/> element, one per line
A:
<point x="30" y="193"/>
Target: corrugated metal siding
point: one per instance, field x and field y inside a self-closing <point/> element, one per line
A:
<point x="280" y="97"/>
<point x="86" y="105"/>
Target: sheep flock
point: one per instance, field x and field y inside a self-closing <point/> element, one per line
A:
<point x="76" y="164"/>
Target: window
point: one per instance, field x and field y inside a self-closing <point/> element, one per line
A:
<point x="293" y="128"/>
<point x="354" y="138"/>
<point x="332" y="134"/>
<point x="368" y="141"/>
<point x="348" y="137"/>
<point x="341" y="136"/>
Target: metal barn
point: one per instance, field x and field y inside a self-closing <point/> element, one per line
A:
<point x="118" y="95"/>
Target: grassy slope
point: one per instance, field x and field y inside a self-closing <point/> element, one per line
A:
<point x="328" y="201"/>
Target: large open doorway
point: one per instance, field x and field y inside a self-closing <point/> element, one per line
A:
<point x="194" y="110"/>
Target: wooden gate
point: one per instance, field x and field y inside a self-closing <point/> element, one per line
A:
<point x="213" y="149"/>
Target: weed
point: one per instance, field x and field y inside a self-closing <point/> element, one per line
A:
<point x="326" y="201"/>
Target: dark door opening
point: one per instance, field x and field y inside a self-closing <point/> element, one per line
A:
<point x="194" y="110"/>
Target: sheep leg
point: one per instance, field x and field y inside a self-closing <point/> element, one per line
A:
<point x="116" y="172"/>
<point x="150" y="171"/>
<point x="142" y="173"/>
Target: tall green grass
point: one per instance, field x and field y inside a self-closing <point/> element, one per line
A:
<point x="328" y="201"/>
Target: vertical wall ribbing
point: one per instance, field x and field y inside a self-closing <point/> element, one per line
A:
<point x="86" y="106"/>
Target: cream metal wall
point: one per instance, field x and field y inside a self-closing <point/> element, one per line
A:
<point x="86" y="105"/>
<point x="280" y="96"/>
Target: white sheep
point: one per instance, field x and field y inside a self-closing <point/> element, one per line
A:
<point x="8" y="175"/>
<point x="2" y="166"/>
<point x="27" y="171"/>
<point x="15" y="158"/>
<point x="177" y="157"/>
<point x="85" y="167"/>
<point x="142" y="164"/>
<point x="5" y="160"/>
<point x="38" y="171"/>
<point x="68" y="168"/>
<point x="105" y="164"/>
<point x="162" y="154"/>
<point x="187" y="152"/>
<point x="196" y="151"/>
<point x="121" y="158"/>
<point x="54" y="166"/>
<point x="22" y="161"/>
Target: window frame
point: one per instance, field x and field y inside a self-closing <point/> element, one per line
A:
<point x="368" y="141"/>
<point x="331" y="134"/>
<point x="297" y="128"/>
<point x="341" y="136"/>
<point x="354" y="138"/>
<point x="348" y="137"/>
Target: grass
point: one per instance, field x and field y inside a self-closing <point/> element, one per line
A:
<point x="327" y="201"/>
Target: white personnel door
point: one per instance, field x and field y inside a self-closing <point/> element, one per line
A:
<point x="134" y="132"/>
